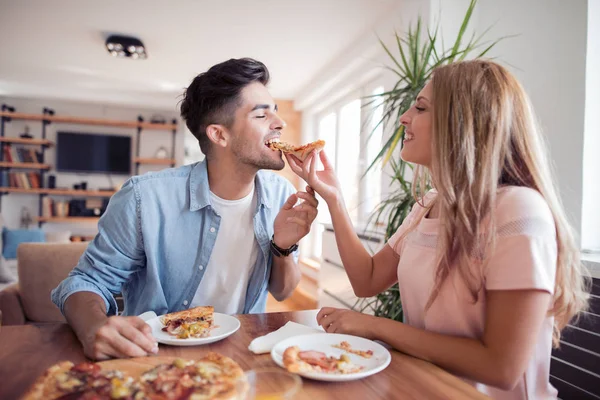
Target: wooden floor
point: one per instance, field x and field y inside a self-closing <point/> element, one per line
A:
<point x="294" y="303"/>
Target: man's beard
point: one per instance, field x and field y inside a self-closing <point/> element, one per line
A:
<point x="256" y="160"/>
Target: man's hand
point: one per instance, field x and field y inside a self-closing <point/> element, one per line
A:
<point x="293" y="222"/>
<point x="119" y="337"/>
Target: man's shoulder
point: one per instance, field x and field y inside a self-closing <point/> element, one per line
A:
<point x="165" y="175"/>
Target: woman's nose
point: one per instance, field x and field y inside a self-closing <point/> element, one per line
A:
<point x="405" y="119"/>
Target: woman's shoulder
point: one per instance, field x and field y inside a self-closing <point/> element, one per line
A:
<point x="515" y="203"/>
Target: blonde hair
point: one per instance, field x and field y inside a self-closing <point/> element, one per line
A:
<point x="485" y="135"/>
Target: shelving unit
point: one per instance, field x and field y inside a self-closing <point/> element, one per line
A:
<point x="8" y="113"/>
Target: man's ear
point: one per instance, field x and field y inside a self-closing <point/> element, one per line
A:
<point x="218" y="135"/>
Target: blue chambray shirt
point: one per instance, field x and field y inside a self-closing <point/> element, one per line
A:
<point x="156" y="237"/>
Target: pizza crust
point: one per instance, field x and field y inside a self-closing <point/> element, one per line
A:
<point x="301" y="152"/>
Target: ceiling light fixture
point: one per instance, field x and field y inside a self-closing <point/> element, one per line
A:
<point x="126" y="46"/>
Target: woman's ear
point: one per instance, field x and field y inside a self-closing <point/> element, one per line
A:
<point x="218" y="135"/>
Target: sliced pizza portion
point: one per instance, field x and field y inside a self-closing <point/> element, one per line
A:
<point x="299" y="151"/>
<point x="347" y="347"/>
<point x="65" y="381"/>
<point x="196" y="322"/>
<point x="298" y="361"/>
<point x="212" y="377"/>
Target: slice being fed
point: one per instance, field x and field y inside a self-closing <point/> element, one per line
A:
<point x="66" y="381"/>
<point x="298" y="361"/>
<point x="196" y="322"/>
<point x="299" y="151"/>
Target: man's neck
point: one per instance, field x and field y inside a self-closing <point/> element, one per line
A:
<point x="229" y="180"/>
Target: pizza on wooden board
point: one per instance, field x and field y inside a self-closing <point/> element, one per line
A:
<point x="299" y="151"/>
<point x="195" y="322"/>
<point x="212" y="377"/>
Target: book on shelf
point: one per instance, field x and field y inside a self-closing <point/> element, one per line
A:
<point x="21" y="154"/>
<point x="52" y="208"/>
<point x="23" y="180"/>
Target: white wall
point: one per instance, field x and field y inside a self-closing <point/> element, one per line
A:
<point x="549" y="59"/>
<point x="149" y="143"/>
<point x="590" y="230"/>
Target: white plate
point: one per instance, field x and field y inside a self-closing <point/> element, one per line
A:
<point x="324" y="342"/>
<point x="226" y="325"/>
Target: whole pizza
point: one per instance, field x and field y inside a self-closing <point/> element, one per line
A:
<point x="212" y="377"/>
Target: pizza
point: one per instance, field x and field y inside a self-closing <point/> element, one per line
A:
<point x="299" y="151"/>
<point x="346" y="347"/>
<point x="86" y="381"/>
<point x="196" y="322"/>
<point x="298" y="361"/>
<point x="212" y="377"/>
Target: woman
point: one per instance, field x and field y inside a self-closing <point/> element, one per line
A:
<point x="487" y="265"/>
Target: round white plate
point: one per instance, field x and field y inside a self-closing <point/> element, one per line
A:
<point x="226" y="325"/>
<point x="324" y="342"/>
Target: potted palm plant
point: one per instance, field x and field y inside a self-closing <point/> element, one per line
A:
<point x="417" y="54"/>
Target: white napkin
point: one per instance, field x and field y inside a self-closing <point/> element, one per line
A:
<point x="264" y="344"/>
<point x="147" y="316"/>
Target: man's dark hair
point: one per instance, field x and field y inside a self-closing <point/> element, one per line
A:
<point x="214" y="95"/>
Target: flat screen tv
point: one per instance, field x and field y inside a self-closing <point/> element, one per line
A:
<point x="86" y="152"/>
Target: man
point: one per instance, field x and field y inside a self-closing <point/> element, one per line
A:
<point x="221" y="232"/>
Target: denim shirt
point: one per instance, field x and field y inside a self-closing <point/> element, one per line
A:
<point x="156" y="237"/>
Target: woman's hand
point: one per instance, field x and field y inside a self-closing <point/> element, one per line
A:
<point x="323" y="182"/>
<point x="336" y="320"/>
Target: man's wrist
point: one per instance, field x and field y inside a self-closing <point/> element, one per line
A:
<point x="279" y="251"/>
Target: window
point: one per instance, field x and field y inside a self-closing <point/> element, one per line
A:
<point x="352" y="143"/>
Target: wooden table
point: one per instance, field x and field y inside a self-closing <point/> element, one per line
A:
<point x="27" y="350"/>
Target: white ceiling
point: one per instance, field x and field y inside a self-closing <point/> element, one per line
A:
<point x="55" y="49"/>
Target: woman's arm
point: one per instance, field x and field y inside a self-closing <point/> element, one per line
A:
<point x="368" y="274"/>
<point x="499" y="358"/>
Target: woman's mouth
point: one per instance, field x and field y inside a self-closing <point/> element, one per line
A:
<point x="408" y="136"/>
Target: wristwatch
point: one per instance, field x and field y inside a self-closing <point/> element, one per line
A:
<point x="279" y="252"/>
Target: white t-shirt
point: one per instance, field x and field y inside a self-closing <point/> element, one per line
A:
<point x="225" y="280"/>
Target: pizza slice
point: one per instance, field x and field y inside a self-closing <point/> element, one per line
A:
<point x="298" y="361"/>
<point x="66" y="381"/>
<point x="212" y="377"/>
<point x="299" y="151"/>
<point x="196" y="322"/>
<point x="346" y="347"/>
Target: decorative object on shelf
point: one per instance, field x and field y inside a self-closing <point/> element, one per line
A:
<point x="26" y="135"/>
<point x="51" y="181"/>
<point x="26" y="218"/>
<point x="126" y="46"/>
<point x="158" y="119"/>
<point x="162" y="153"/>
<point x="83" y="185"/>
